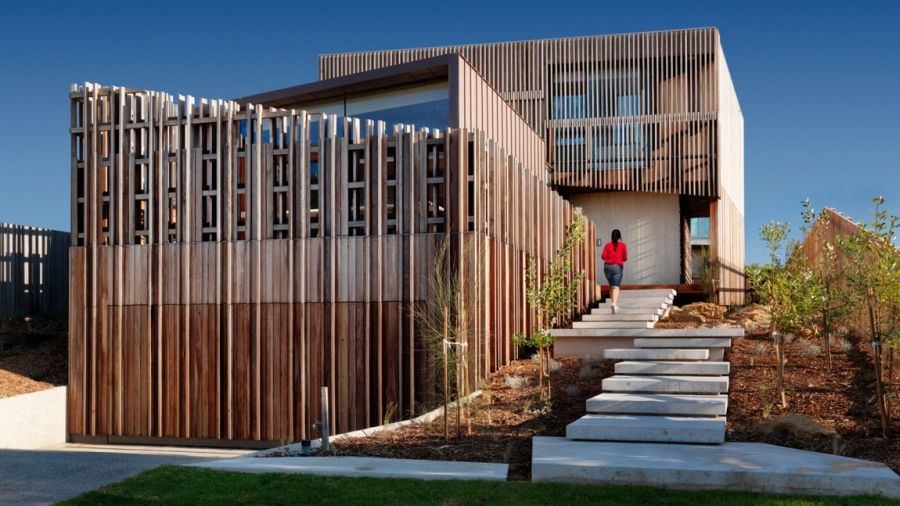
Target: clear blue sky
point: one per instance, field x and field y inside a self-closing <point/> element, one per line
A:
<point x="819" y="82"/>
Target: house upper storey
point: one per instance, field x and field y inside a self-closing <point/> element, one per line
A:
<point x="653" y="111"/>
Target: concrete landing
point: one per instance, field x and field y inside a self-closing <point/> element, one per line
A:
<point x="754" y="467"/>
<point x="372" y="467"/>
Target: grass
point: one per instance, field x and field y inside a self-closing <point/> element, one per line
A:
<point x="180" y="485"/>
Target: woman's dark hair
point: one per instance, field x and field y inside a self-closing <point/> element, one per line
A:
<point x="616" y="237"/>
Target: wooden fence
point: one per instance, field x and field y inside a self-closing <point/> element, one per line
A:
<point x="33" y="271"/>
<point x="228" y="261"/>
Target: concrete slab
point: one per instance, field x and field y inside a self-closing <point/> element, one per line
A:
<point x="655" y="354"/>
<point x="364" y="466"/>
<point x="649" y="299"/>
<point x="648" y="333"/>
<point x="679" y="368"/>
<point x="620" y="317"/>
<point x="642" y="428"/>
<point x="35" y="420"/>
<point x="650" y="292"/>
<point x="754" y="467"/>
<point x="667" y="384"/>
<point x="682" y="342"/>
<point x="613" y="325"/>
<point x="636" y="304"/>
<point x="658" y="404"/>
<point x="605" y="309"/>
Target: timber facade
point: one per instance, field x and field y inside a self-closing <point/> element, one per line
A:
<point x="635" y="113"/>
<point x="228" y="260"/>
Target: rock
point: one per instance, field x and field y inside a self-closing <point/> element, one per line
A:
<point x="807" y="333"/>
<point x="680" y="315"/>
<point x="706" y="310"/>
<point x="753" y="318"/>
<point x="799" y="426"/>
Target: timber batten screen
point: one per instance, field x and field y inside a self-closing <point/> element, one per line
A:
<point x="229" y="260"/>
<point x="629" y="112"/>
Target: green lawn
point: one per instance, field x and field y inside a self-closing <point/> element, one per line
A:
<point x="180" y="485"/>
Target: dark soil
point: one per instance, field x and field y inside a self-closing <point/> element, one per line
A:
<point x="33" y="356"/>
<point x="504" y="419"/>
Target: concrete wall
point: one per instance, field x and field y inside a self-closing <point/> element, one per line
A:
<point x="34" y="420"/>
<point x="650" y="227"/>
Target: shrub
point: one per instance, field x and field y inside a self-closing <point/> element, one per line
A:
<point x="516" y="382"/>
<point x="844" y="346"/>
<point x="809" y="349"/>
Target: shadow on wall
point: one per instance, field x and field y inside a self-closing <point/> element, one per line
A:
<point x="34" y="272"/>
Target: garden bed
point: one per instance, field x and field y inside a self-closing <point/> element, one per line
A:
<point x="33" y="356"/>
<point x="839" y="400"/>
<point x="504" y="419"/>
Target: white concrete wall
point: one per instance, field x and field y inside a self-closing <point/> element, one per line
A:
<point x="34" y="420"/>
<point x="650" y="226"/>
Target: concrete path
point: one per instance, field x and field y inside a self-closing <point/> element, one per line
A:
<point x="754" y="467"/>
<point x="364" y="466"/>
<point x="49" y="475"/>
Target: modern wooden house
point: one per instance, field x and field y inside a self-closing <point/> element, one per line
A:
<point x="231" y="257"/>
<point x="644" y="131"/>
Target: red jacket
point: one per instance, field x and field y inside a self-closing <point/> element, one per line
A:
<point x="618" y="255"/>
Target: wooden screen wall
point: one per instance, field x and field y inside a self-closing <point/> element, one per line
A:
<point x="228" y="260"/>
<point x="618" y="112"/>
<point x="33" y="271"/>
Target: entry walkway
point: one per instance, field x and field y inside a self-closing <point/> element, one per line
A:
<point x="50" y="475"/>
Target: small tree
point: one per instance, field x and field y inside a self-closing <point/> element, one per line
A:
<point x="552" y="296"/>
<point x="787" y="287"/>
<point x="873" y="273"/>
<point x="445" y="325"/>
<point x="831" y="297"/>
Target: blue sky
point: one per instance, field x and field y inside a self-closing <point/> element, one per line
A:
<point x="819" y="82"/>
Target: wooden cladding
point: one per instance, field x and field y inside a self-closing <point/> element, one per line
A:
<point x="228" y="261"/>
<point x="33" y="271"/>
<point x="619" y="112"/>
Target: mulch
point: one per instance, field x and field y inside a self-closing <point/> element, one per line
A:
<point x="840" y="399"/>
<point x="33" y="356"/>
<point x="504" y="419"/>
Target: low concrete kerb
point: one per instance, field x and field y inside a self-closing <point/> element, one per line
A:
<point x="429" y="417"/>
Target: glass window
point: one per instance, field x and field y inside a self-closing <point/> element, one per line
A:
<point x="700" y="228"/>
<point x="568" y="107"/>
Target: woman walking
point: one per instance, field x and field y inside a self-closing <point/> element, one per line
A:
<point x="614" y="256"/>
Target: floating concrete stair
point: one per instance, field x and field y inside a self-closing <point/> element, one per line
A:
<point x="606" y="309"/>
<point x="613" y="325"/>
<point x="658" y="404"/>
<point x="620" y="317"/>
<point x="655" y="354"/>
<point x="637" y="304"/>
<point x="640" y="300"/>
<point x="683" y="342"/>
<point x="651" y="292"/>
<point x="677" y="368"/>
<point x="649" y="333"/>
<point x="643" y="428"/>
<point x="667" y="384"/>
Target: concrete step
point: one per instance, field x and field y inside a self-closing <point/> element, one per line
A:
<point x="755" y="467"/>
<point x="649" y="333"/>
<point x="637" y="304"/>
<point x="667" y="384"/>
<point x="658" y="404"/>
<point x="640" y="300"/>
<point x="678" y="368"/>
<point x="682" y="342"/>
<point x="647" y="428"/>
<point x="621" y="324"/>
<point x="655" y="354"/>
<point x="605" y="309"/>
<point x="621" y="317"/>
<point x="652" y="292"/>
